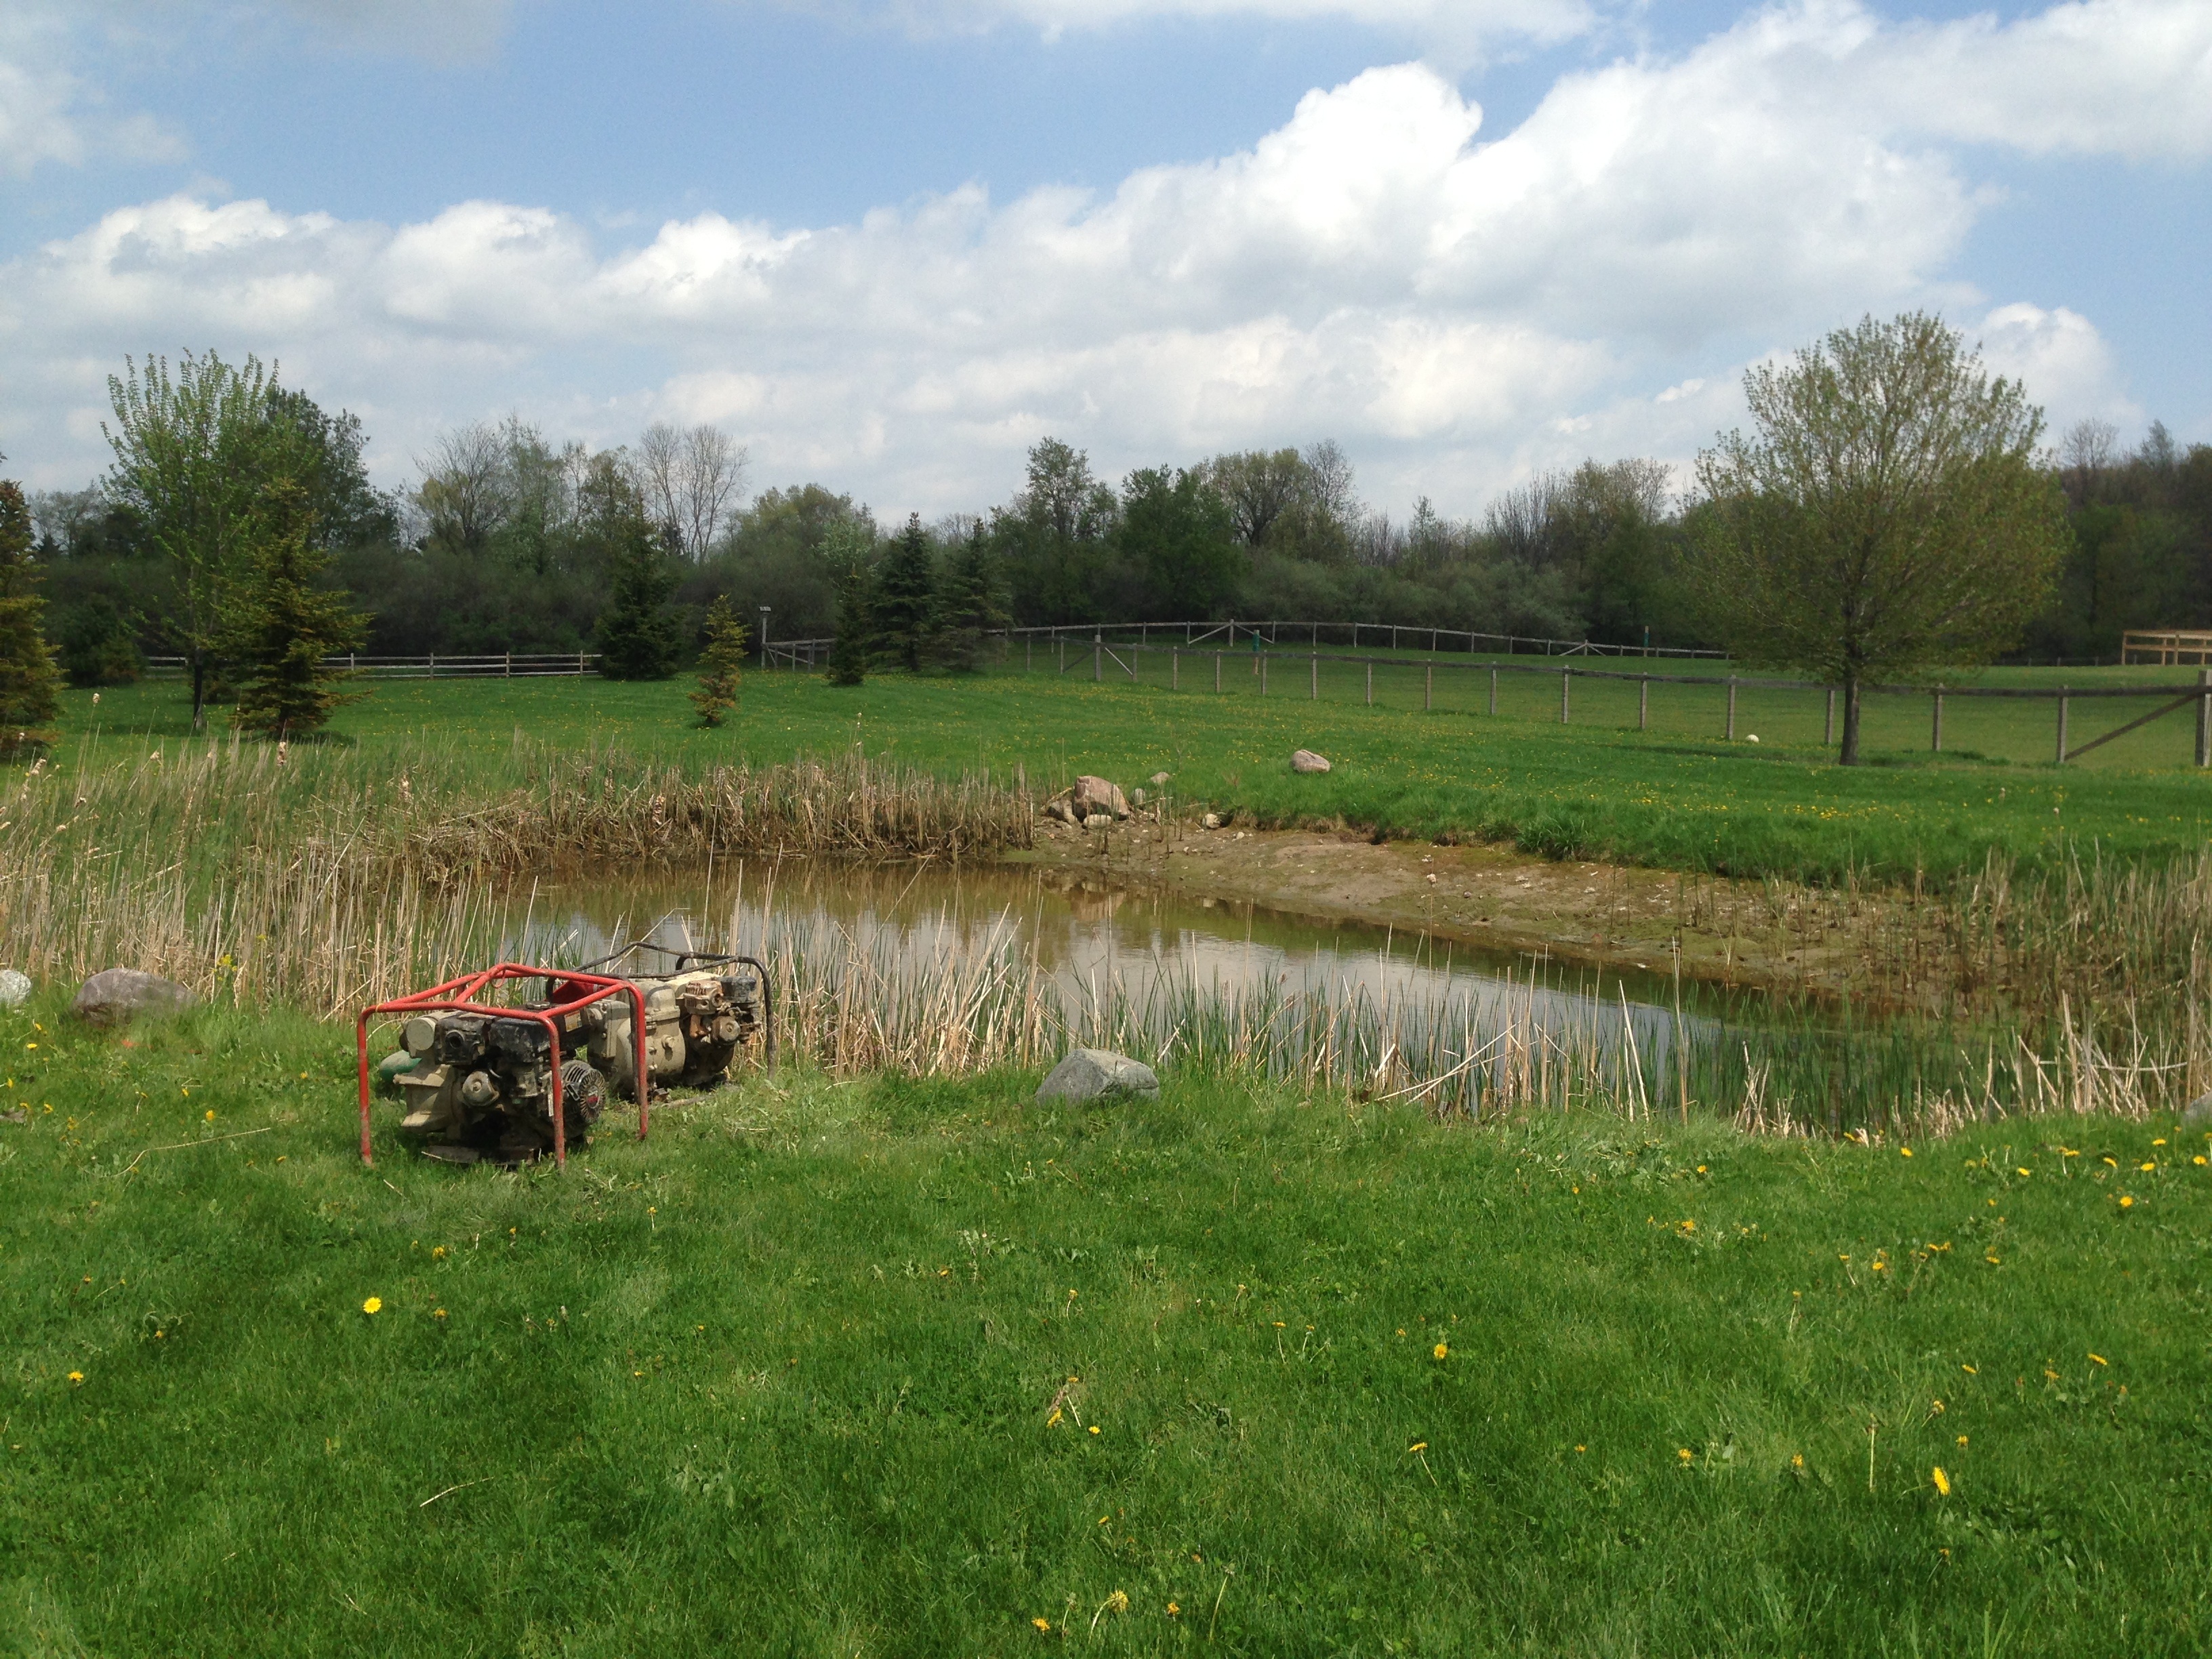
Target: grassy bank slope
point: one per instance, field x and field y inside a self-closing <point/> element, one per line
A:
<point x="1667" y="799"/>
<point x="781" y="1379"/>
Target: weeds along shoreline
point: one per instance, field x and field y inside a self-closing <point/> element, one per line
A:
<point x="318" y="879"/>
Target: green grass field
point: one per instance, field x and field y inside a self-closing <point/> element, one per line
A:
<point x="1677" y="796"/>
<point x="1331" y="1379"/>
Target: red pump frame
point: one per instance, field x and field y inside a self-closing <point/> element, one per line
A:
<point x="457" y="996"/>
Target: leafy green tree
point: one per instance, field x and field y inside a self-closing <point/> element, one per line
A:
<point x="97" y="644"/>
<point x="905" y="600"/>
<point x="286" y="625"/>
<point x="721" y="665"/>
<point x="29" y="683"/>
<point x="1177" y="529"/>
<point x="192" y="452"/>
<point x="968" y="608"/>
<point x="638" y="634"/>
<point x="1056" y="537"/>
<point x="848" y="652"/>
<point x="1889" y="513"/>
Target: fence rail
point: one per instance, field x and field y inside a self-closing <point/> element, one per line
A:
<point x="505" y="665"/>
<point x="2168" y="646"/>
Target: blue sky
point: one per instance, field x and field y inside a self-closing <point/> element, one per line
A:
<point x="889" y="245"/>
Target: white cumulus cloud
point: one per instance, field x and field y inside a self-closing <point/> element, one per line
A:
<point x="1456" y="308"/>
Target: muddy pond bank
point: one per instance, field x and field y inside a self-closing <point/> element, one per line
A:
<point x="1775" y="937"/>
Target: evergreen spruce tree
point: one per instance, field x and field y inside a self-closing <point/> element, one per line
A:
<point x="285" y="626"/>
<point x="848" y="656"/>
<point x="721" y="665"/>
<point x="28" y="680"/>
<point x="905" y="606"/>
<point x="638" y="637"/>
<point x="968" y="608"/>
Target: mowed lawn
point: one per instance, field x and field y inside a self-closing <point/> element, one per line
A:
<point x="1677" y="796"/>
<point x="912" y="1368"/>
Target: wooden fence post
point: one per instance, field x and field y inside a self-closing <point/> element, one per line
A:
<point x="1313" y="678"/>
<point x="1175" y="669"/>
<point x="2205" y="718"/>
<point x="1828" y="727"/>
<point x="1263" y="673"/>
<point x="2061" y="725"/>
<point x="1493" y="690"/>
<point x="1935" y="737"/>
<point x="1643" y="704"/>
<point x="1567" y="679"/>
<point x="1429" y="689"/>
<point x="1731" y="714"/>
<point x="1097" y="657"/>
<point x="1217" y="671"/>
<point x="1370" y="682"/>
<point x="1029" y="651"/>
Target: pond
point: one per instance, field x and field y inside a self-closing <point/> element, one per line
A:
<point x="1098" y="943"/>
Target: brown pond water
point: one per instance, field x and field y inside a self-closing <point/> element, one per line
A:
<point x="1097" y="939"/>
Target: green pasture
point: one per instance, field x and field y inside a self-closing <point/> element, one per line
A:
<point x="1331" y="1378"/>
<point x="1677" y="795"/>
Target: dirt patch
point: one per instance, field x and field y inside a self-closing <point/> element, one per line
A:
<point x="1739" y="932"/>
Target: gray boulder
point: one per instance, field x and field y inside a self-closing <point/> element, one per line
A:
<point x="2197" y="1115"/>
<point x="1085" y="799"/>
<point x="1094" y="1073"/>
<point x="114" y="996"/>
<point x="1306" y="760"/>
<point x="15" y="989"/>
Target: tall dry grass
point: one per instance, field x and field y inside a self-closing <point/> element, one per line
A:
<point x="318" y="877"/>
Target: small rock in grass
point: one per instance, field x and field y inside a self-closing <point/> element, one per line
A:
<point x="1099" y="821"/>
<point x="1211" y="821"/>
<point x="1158" y="780"/>
<point x="1136" y="798"/>
<point x="1096" y="1073"/>
<point x="1306" y="760"/>
<point x="2198" y="1113"/>
<point x="114" y="996"/>
<point x="15" y="989"/>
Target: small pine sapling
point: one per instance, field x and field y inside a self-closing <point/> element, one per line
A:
<point x="849" y="655"/>
<point x="721" y="665"/>
<point x="29" y="682"/>
<point x="287" y="626"/>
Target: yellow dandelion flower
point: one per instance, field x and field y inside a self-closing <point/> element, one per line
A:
<point x="1962" y="1442"/>
<point x="75" y="1377"/>
<point x="209" y="1116"/>
<point x="2096" y="1359"/>
<point x="2114" y="1162"/>
<point x="438" y="1254"/>
<point x="437" y="1313"/>
<point x="1683" y="1452"/>
<point x="1044" y="1624"/>
<point x="1423" y="1445"/>
<point x="2146" y="1166"/>
<point x="2199" y="1158"/>
<point x="1943" y="1481"/>
<point x="1173" y="1610"/>
<point x="1094" y="1428"/>
<point x="1118" y="1601"/>
<point x="2024" y="1170"/>
<point x="1904" y="1152"/>
<point x="2126" y="1202"/>
<point x="1797" y="1460"/>
<point x="2160" y="1141"/>
<point x="1968" y="1370"/>
<point x="375" y="1304"/>
<point x="1443" y="1350"/>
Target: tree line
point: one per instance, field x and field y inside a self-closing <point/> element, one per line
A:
<point x="510" y="540"/>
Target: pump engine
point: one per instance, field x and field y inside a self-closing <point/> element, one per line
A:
<point x="479" y="1086"/>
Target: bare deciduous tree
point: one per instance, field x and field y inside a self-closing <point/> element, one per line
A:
<point x="690" y="478"/>
<point x="464" y="493"/>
